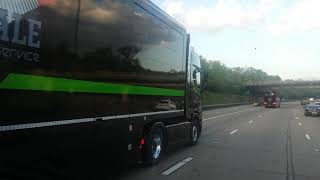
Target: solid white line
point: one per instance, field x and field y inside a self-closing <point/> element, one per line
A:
<point x="250" y="121"/>
<point x="155" y="113"/>
<point x="176" y="166"/>
<point x="77" y="121"/>
<point x="226" y="114"/>
<point x="308" y="136"/>
<point x="234" y="131"/>
<point x="300" y="124"/>
<point x="178" y="124"/>
<point x="44" y="124"/>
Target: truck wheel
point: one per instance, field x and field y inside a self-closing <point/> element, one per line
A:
<point x="154" y="146"/>
<point x="194" y="134"/>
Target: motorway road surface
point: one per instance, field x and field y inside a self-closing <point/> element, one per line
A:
<point x="245" y="142"/>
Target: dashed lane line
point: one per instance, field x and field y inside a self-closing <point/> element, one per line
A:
<point x="308" y="136"/>
<point x="250" y="121"/>
<point x="234" y="131"/>
<point x="176" y="166"/>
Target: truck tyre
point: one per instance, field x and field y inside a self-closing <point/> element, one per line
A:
<point x="195" y="133"/>
<point x="154" y="146"/>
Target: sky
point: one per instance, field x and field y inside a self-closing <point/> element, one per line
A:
<point x="281" y="37"/>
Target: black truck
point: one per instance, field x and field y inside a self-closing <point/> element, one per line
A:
<point x="93" y="80"/>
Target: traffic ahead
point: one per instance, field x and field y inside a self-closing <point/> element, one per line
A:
<point x="246" y="142"/>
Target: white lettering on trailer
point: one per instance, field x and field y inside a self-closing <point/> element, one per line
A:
<point x="19" y="54"/>
<point x="4" y="25"/>
<point x="18" y="37"/>
<point x="33" y="34"/>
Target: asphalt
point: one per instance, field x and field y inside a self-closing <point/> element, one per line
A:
<point x="245" y="142"/>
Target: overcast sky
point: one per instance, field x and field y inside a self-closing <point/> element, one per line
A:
<point x="281" y="37"/>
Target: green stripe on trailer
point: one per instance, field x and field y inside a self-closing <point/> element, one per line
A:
<point x="43" y="83"/>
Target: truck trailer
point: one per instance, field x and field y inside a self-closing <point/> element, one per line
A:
<point x="88" y="81"/>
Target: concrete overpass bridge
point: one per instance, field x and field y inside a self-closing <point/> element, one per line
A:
<point x="283" y="84"/>
<point x="258" y="89"/>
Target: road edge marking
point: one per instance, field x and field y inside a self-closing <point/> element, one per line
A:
<point x="226" y="114"/>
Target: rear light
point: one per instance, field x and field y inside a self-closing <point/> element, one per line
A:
<point x="141" y="143"/>
<point x="274" y="103"/>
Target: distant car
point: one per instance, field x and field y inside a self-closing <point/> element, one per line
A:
<point x="166" y="105"/>
<point x="304" y="102"/>
<point x="312" y="109"/>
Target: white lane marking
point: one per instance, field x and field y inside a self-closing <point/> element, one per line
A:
<point x="300" y="124"/>
<point x="76" y="121"/>
<point x="176" y="166"/>
<point x="260" y="116"/>
<point x="234" y="131"/>
<point x="317" y="150"/>
<point x="297" y="117"/>
<point x="215" y="117"/>
<point x="308" y="136"/>
<point x="250" y="121"/>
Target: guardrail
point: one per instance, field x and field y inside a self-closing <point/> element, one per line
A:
<point x="218" y="106"/>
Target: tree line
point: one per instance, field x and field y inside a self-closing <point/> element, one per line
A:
<point x="223" y="79"/>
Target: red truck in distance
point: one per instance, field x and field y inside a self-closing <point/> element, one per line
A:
<point x="272" y="100"/>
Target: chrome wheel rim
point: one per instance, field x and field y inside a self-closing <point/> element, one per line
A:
<point x="156" y="147"/>
<point x="194" y="133"/>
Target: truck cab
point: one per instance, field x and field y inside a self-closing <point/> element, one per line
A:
<point x="196" y="84"/>
<point x="271" y="99"/>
